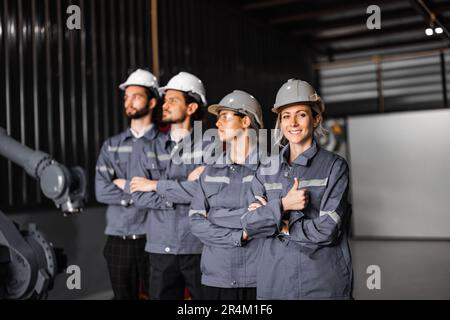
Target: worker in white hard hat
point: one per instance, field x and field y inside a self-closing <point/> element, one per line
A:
<point x="302" y="211"/>
<point x="126" y="258"/>
<point x="174" y="250"/>
<point x="229" y="264"/>
<point x="183" y="89"/>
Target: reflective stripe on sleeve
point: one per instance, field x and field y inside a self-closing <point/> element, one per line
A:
<point x="105" y="169"/>
<point x="333" y="215"/>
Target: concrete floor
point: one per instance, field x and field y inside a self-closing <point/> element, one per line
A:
<point x="82" y="238"/>
<point x="409" y="269"/>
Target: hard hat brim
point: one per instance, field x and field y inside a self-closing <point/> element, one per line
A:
<point x="216" y="108"/>
<point x="124" y="85"/>
<point x="162" y="91"/>
<point x="278" y="109"/>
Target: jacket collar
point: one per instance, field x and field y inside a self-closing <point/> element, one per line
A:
<point x="149" y="135"/>
<point x="304" y="158"/>
<point x="251" y="161"/>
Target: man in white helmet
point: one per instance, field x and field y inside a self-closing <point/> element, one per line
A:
<point x="126" y="258"/>
<point x="174" y="250"/>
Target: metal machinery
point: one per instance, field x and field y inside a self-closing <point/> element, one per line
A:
<point x="28" y="262"/>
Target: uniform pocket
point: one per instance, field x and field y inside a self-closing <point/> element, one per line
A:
<point x="154" y="168"/>
<point x="213" y="185"/>
<point x="212" y="194"/>
<point x="273" y="190"/>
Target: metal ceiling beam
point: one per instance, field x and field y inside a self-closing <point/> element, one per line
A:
<point x="384" y="58"/>
<point x="324" y="10"/>
<point x="385" y="45"/>
<point x="258" y="5"/>
<point x="370" y="33"/>
<point x="314" y="27"/>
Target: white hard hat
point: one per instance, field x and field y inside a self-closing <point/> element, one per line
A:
<point x="242" y="102"/>
<point x="298" y="91"/>
<point x="142" y="78"/>
<point x="186" y="82"/>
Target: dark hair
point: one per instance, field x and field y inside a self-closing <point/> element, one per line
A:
<point x="253" y="123"/>
<point x="199" y="114"/>
<point x="157" y="111"/>
<point x="151" y="93"/>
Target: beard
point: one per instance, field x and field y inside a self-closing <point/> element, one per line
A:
<point x="138" y="114"/>
<point x="170" y="119"/>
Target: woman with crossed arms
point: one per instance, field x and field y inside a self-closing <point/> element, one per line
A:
<point x="302" y="210"/>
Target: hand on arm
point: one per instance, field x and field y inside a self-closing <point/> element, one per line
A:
<point x="120" y="183"/>
<point x="108" y="189"/>
<point x="196" y="173"/>
<point x="334" y="209"/>
<point x="141" y="184"/>
<point x="294" y="200"/>
<point x="251" y="207"/>
<point x="256" y="205"/>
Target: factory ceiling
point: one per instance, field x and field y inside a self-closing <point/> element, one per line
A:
<point x="338" y="30"/>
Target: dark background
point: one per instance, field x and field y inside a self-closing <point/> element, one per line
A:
<point x="59" y="87"/>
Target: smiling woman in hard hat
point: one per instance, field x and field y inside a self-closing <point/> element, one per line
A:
<point x="228" y="264"/>
<point x="302" y="210"/>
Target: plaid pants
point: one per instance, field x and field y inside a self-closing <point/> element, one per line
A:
<point x="128" y="266"/>
<point x="171" y="274"/>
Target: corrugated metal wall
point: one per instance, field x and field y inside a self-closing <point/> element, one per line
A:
<point x="227" y="50"/>
<point x="401" y="83"/>
<point x="58" y="91"/>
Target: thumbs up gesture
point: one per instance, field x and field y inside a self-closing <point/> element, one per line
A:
<point x="295" y="199"/>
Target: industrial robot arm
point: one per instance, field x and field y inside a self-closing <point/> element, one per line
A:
<point x="66" y="187"/>
<point x="28" y="262"/>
